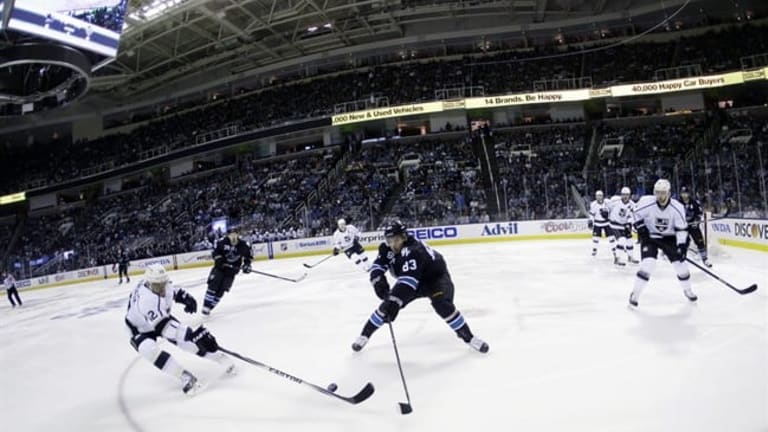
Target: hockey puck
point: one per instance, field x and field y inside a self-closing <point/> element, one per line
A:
<point x="332" y="387"/>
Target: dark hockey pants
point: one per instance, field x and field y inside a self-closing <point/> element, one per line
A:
<point x="122" y="269"/>
<point x="440" y="294"/>
<point x="694" y="233"/>
<point x="12" y="292"/>
<point x="218" y="284"/>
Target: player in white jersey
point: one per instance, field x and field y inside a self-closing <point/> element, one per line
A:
<point x="660" y="223"/>
<point x="347" y="239"/>
<point x="10" y="289"/>
<point x="621" y="220"/>
<point x="598" y="221"/>
<point x="149" y="317"/>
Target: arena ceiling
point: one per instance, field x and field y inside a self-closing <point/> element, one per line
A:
<point x="213" y="38"/>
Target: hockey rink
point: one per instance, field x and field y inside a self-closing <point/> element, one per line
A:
<point x="566" y="353"/>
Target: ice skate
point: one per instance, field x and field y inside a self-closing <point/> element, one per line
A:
<point x="633" y="299"/>
<point x="478" y="344"/>
<point x="689" y="294"/>
<point x="358" y="344"/>
<point x="190" y="385"/>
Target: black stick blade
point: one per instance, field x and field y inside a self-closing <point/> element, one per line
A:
<point x="405" y="408"/>
<point x="362" y="395"/>
<point x="747" y="290"/>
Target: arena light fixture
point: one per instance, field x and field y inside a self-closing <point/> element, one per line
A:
<point x="153" y="10"/>
<point x="41" y="76"/>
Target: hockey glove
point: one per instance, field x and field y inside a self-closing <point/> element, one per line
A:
<point x="643" y="234"/>
<point x="380" y="286"/>
<point x="605" y="213"/>
<point x="189" y="302"/>
<point x="389" y="309"/>
<point x="590" y="224"/>
<point x="247" y="268"/>
<point x="628" y="228"/>
<point x="204" y="340"/>
<point x="335" y="251"/>
<point x="682" y="251"/>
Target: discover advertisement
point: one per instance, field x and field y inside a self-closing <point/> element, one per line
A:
<point x="744" y="233"/>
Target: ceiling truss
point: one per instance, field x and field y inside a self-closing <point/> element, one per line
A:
<point x="213" y="35"/>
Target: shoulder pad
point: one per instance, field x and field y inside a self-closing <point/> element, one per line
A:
<point x="383" y="249"/>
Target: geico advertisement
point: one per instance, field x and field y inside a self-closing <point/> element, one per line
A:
<point x="370" y="238"/>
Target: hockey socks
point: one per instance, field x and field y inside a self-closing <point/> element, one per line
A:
<point x="454" y="320"/>
<point x="644" y="275"/>
<point x="210" y="301"/>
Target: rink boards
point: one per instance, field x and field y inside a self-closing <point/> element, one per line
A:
<point x="744" y="233"/>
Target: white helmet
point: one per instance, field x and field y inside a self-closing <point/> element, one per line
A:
<point x="342" y="224"/>
<point x="625" y="191"/>
<point x="155" y="274"/>
<point x="662" y="185"/>
<point x="599" y="194"/>
<point x="662" y="190"/>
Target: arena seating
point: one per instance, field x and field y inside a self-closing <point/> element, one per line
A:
<point x="434" y="180"/>
<point x="400" y="83"/>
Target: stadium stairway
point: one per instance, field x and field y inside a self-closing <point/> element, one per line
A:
<point x="484" y="151"/>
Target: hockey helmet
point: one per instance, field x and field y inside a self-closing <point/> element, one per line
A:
<point x="157" y="277"/>
<point x="233" y="235"/>
<point x="662" y="189"/>
<point x="342" y="224"/>
<point x="395" y="228"/>
<point x="396" y="234"/>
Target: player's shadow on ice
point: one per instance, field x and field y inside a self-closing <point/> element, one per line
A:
<point x="670" y="331"/>
<point x="419" y="367"/>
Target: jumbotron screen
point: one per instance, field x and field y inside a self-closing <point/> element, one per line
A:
<point x="92" y="25"/>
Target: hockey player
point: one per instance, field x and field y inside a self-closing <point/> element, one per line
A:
<point x="122" y="265"/>
<point x="10" y="289"/>
<point x="598" y="222"/>
<point x="421" y="272"/>
<point x="149" y="317"/>
<point x="231" y="253"/>
<point x="693" y="215"/>
<point x="660" y="223"/>
<point x="347" y="239"/>
<point x="620" y="219"/>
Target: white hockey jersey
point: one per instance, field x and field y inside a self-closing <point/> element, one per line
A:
<point x="621" y="212"/>
<point x="9" y="282"/>
<point x="146" y="309"/>
<point x="344" y="240"/>
<point x="596" y="211"/>
<point x="662" y="222"/>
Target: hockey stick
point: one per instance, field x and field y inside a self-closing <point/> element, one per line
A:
<point x="299" y="279"/>
<point x="317" y="263"/>
<point x="362" y="395"/>
<point x="746" y="290"/>
<point x="405" y="408"/>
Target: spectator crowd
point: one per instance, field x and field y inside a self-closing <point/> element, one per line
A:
<point x="533" y="172"/>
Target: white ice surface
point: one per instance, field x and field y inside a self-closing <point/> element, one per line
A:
<point x="566" y="352"/>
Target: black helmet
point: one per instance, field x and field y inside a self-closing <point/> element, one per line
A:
<point x="684" y="190"/>
<point x="395" y="228"/>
